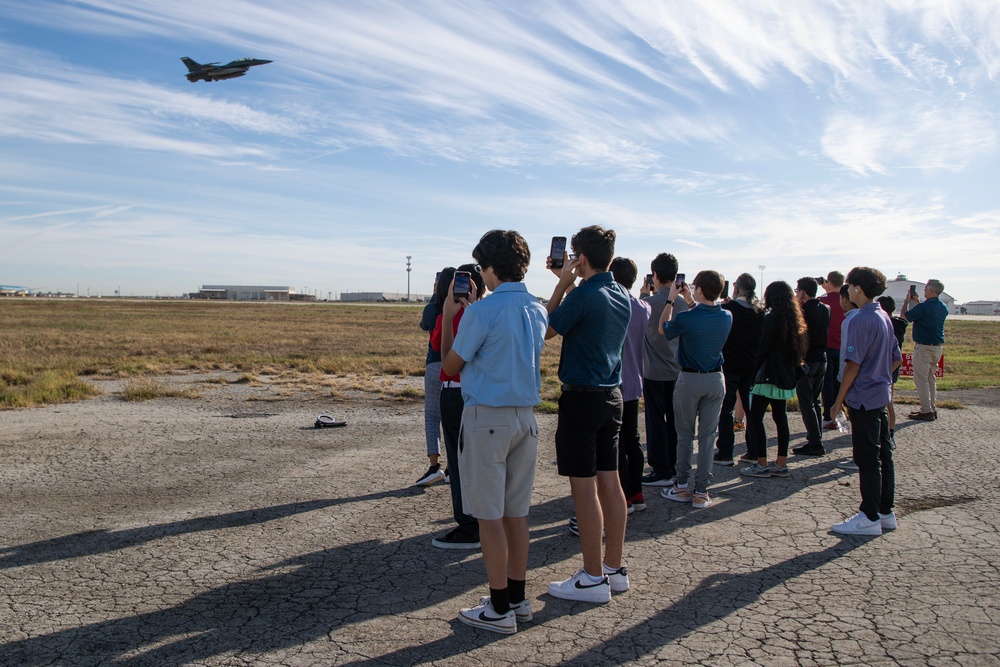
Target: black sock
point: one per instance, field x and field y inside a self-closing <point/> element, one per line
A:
<point x="500" y="599"/>
<point x="516" y="589"/>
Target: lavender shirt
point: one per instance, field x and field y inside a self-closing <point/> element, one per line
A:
<point x="632" y="350"/>
<point x="872" y="345"/>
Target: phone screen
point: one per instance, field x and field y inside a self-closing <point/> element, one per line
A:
<point x="913" y="289"/>
<point x="461" y="289"/>
<point x="725" y="291"/>
<point x="680" y="280"/>
<point x="557" y="250"/>
<point x="649" y="279"/>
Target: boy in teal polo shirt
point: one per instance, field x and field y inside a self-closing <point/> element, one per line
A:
<point x="592" y="318"/>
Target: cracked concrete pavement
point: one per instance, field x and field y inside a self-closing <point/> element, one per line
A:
<point x="225" y="531"/>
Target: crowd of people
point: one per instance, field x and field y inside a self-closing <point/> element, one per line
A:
<point x="694" y="352"/>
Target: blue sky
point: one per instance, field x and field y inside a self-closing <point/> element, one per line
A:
<point x="802" y="136"/>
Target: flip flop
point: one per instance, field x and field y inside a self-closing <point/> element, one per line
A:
<point x="326" y="421"/>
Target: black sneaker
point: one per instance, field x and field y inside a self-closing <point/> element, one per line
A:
<point x="653" y="479"/>
<point x="456" y="539"/>
<point x="432" y="476"/>
<point x="721" y="460"/>
<point x="809" y="450"/>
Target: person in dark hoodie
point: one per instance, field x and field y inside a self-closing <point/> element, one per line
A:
<point x="739" y="354"/>
<point x="783" y="346"/>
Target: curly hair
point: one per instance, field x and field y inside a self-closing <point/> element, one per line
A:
<point x="782" y="305"/>
<point x="506" y="252"/>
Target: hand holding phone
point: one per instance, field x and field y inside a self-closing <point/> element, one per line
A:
<point x="556" y="252"/>
<point x="461" y="286"/>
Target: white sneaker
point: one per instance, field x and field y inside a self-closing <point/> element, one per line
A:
<point x="433" y="475"/>
<point x="888" y="521"/>
<point x="858" y="524"/>
<point x="848" y="464"/>
<point x="677" y="494"/>
<point x="618" y="579"/>
<point x="580" y="587"/>
<point x="485" y="617"/>
<point x="522" y="609"/>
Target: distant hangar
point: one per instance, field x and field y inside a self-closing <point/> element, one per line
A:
<point x="250" y="293"/>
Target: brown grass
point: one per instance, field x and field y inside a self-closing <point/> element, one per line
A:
<point x="48" y="344"/>
<point x="299" y="345"/>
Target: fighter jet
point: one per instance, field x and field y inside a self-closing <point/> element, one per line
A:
<point x="217" y="72"/>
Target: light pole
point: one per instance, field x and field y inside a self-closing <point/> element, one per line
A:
<point x="761" y="286"/>
<point x="408" y="270"/>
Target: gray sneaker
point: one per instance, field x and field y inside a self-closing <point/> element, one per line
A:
<point x="757" y="470"/>
<point x="778" y="471"/>
<point x="848" y="464"/>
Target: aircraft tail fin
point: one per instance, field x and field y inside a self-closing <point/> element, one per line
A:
<point x="191" y="65"/>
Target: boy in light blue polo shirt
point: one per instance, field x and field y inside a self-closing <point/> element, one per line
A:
<point x="497" y="349"/>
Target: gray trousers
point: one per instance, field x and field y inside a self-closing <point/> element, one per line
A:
<point x="697" y="398"/>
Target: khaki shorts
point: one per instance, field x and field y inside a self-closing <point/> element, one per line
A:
<point x="496" y="454"/>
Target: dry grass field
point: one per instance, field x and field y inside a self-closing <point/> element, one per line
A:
<point x="47" y="346"/>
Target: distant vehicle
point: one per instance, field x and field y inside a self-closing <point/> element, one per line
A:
<point x="217" y="72"/>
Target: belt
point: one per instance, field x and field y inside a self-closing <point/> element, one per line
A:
<point x="695" y="370"/>
<point x="594" y="390"/>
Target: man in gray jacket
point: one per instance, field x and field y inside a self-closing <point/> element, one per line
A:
<point x="659" y="375"/>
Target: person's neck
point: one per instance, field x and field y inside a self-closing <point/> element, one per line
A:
<point x="699" y="298"/>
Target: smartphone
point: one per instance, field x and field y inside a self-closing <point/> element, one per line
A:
<point x="557" y="250"/>
<point x="819" y="280"/>
<point x="649" y="280"/>
<point x="725" y="291"/>
<point x="679" y="281"/>
<point x="913" y="290"/>
<point x="437" y="277"/>
<point x="462" y="285"/>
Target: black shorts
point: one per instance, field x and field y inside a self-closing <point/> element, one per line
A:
<point x="587" y="432"/>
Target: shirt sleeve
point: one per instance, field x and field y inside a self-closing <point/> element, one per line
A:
<point x="427" y="317"/>
<point x="915" y="313"/>
<point x="857" y="338"/>
<point x="569" y="313"/>
<point x="470" y="335"/>
<point x="675" y="326"/>
<point x="436" y="334"/>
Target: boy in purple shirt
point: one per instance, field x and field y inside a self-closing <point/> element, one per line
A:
<point x="871" y="354"/>
<point x="630" y="458"/>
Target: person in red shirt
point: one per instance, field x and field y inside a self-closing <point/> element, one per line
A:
<point x="466" y="534"/>
<point x="831" y="386"/>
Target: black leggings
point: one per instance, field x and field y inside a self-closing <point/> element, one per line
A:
<point x="758" y="406"/>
